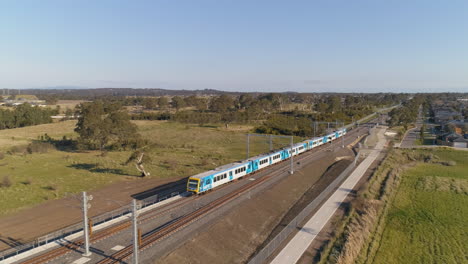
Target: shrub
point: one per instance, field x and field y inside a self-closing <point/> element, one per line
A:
<point x="39" y="147"/>
<point x="6" y="182"/>
<point x="18" y="150"/>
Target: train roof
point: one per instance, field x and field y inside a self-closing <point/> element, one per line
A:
<point x="219" y="169"/>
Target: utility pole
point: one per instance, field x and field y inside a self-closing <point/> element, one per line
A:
<point x="271" y="144"/>
<point x="86" y="206"/>
<point x="315" y="128"/>
<point x="248" y="145"/>
<point x="135" y="231"/>
<point x="292" y="155"/>
<point x="342" y="140"/>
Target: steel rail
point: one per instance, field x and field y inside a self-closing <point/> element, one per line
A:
<point x="70" y="246"/>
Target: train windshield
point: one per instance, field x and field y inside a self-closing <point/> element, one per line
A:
<point x="193" y="184"/>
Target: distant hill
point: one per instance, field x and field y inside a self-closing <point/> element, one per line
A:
<point x="99" y="92"/>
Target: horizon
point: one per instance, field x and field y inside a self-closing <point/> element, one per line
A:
<point x="242" y="46"/>
<point x="225" y="91"/>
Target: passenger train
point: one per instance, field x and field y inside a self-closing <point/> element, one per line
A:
<point x="209" y="180"/>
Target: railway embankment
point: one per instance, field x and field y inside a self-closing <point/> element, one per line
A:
<point x="236" y="236"/>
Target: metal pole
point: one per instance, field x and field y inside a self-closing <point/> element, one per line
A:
<point x="315" y="128"/>
<point x="271" y="145"/>
<point x="135" y="231"/>
<point x="292" y="155"/>
<point x="248" y="142"/>
<point x="342" y="140"/>
<point x="85" y="224"/>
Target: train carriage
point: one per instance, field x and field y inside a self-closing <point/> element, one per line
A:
<point x="205" y="181"/>
<point x="208" y="180"/>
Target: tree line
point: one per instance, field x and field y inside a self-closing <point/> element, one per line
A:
<point x="25" y="115"/>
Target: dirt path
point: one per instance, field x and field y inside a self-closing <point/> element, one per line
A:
<point x="31" y="223"/>
<point x="236" y="236"/>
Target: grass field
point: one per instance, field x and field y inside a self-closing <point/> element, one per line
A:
<point x="427" y="221"/>
<point x="178" y="150"/>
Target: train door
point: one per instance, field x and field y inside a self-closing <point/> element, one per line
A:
<point x="230" y="176"/>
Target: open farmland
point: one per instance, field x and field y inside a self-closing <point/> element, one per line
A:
<point x="426" y="222"/>
<point x="177" y="150"/>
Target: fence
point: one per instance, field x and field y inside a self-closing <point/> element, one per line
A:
<point x="274" y="244"/>
<point x="78" y="227"/>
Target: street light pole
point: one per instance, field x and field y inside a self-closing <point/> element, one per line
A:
<point x="271" y="144"/>
<point x="135" y="231"/>
<point x="86" y="206"/>
<point x="248" y="145"/>
<point x="292" y="155"/>
<point x="342" y="140"/>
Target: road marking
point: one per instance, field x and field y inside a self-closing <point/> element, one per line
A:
<point x="117" y="248"/>
<point x="81" y="260"/>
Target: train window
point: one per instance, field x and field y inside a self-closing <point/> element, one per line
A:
<point x="230" y="173"/>
<point x="208" y="181"/>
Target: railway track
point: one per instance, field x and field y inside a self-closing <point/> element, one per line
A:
<point x="160" y="233"/>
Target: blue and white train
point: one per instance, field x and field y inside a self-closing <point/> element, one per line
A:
<point x="209" y="180"/>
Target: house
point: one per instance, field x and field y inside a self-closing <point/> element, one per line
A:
<point x="453" y="140"/>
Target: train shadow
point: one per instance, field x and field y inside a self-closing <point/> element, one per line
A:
<point x="163" y="191"/>
<point x="11" y="242"/>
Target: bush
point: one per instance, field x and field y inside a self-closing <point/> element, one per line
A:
<point x="6" y="182"/>
<point x="18" y="150"/>
<point x="39" y="147"/>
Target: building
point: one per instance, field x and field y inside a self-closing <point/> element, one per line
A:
<point x="453" y="140"/>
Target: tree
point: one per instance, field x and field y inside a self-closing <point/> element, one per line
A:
<point x="334" y="104"/>
<point x="139" y="157"/>
<point x="150" y="103"/>
<point x="221" y="103"/>
<point x="245" y="101"/>
<point x="163" y="102"/>
<point x="97" y="127"/>
<point x="177" y="102"/>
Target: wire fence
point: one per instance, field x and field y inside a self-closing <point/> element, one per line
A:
<point x="295" y="224"/>
<point x="78" y="227"/>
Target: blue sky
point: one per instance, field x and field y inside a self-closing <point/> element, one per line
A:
<point x="236" y="45"/>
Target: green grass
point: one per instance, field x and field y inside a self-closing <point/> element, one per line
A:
<point x="177" y="150"/>
<point x="427" y="221"/>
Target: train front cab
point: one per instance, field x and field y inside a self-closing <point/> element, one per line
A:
<point x="193" y="185"/>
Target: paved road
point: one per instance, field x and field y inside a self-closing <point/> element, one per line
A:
<point x="301" y="241"/>
<point x="413" y="134"/>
